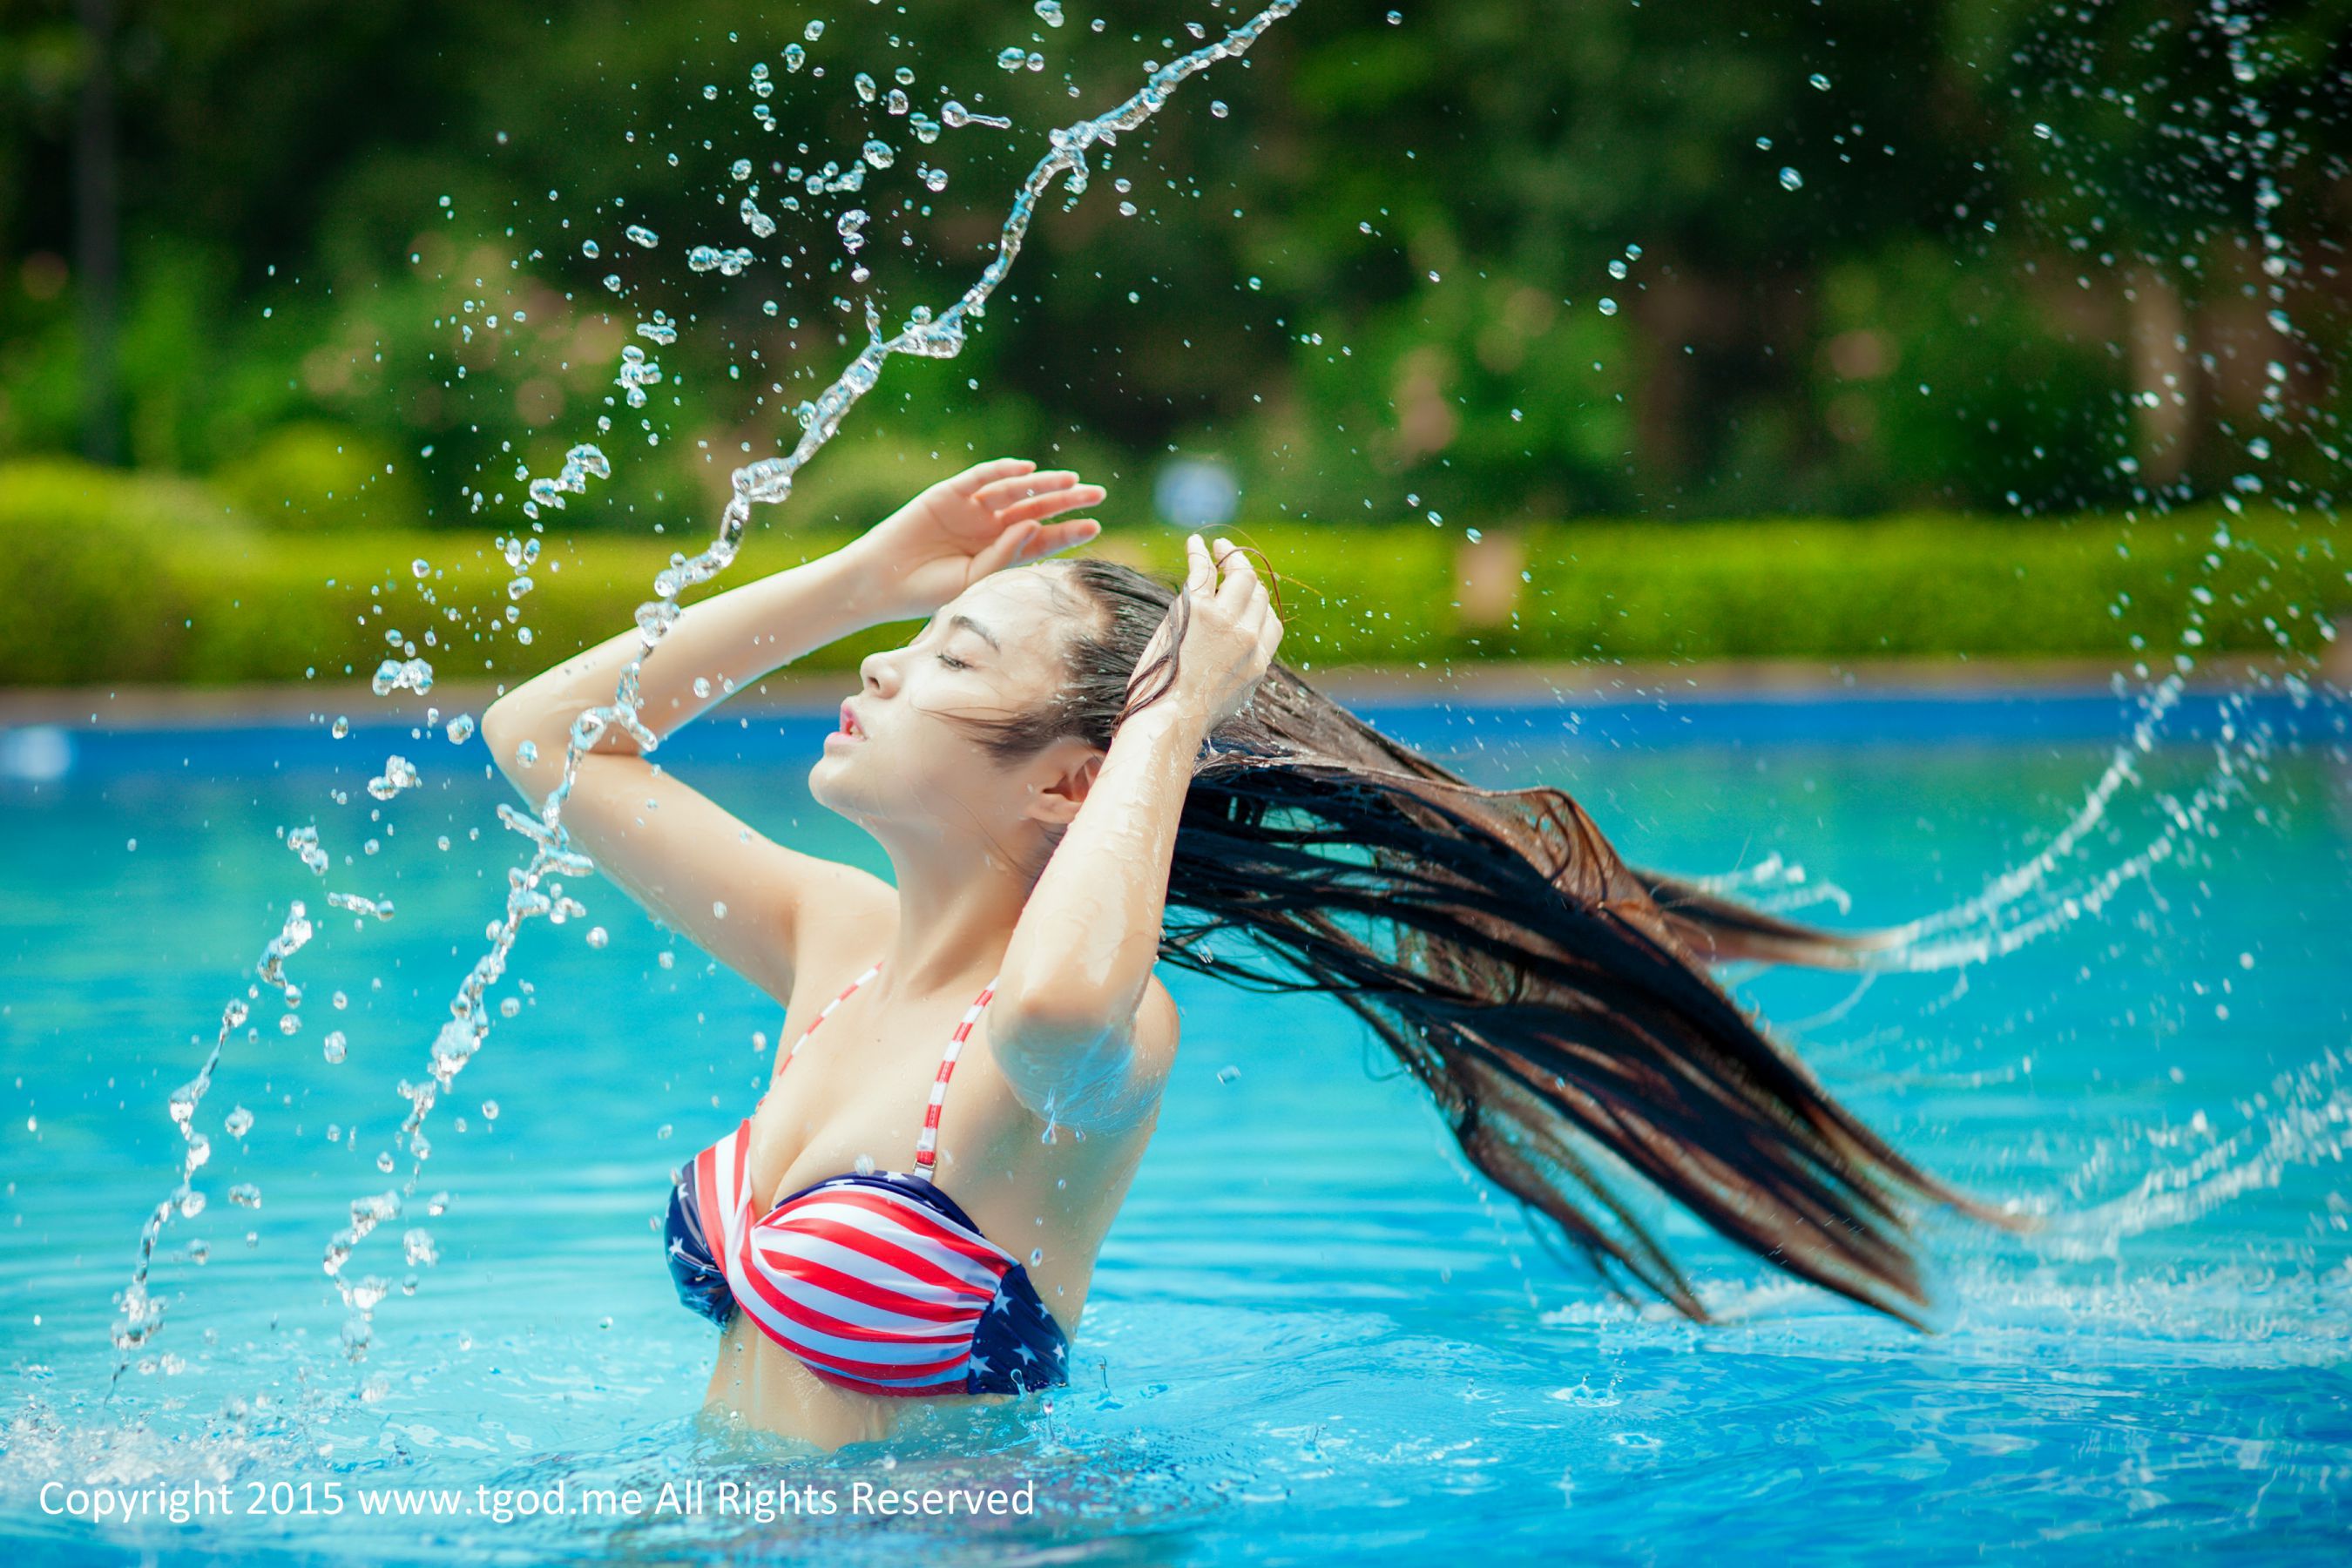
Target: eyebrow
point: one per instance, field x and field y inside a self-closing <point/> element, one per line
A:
<point x="968" y="624"/>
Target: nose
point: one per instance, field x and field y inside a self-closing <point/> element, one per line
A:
<point x="875" y="670"/>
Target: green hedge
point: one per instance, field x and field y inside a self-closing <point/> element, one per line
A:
<point x="117" y="577"/>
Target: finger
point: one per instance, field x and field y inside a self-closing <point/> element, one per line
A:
<point x="1004" y="549"/>
<point x="1270" y="638"/>
<point x="991" y="472"/>
<point x="1062" y="535"/>
<point x="1052" y="503"/>
<point x="1016" y="486"/>
<point x="1240" y="578"/>
<point x="1199" y="572"/>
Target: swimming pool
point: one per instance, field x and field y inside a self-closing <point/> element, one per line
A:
<point x="1314" y="1337"/>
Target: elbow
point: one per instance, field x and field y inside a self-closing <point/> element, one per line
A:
<point x="501" y="728"/>
<point x="1044" y="1029"/>
<point x="1069" y="1068"/>
<point x="516" y="739"/>
<point x="1054" y="1018"/>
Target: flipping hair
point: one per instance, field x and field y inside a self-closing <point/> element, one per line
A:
<point x="1550" y="998"/>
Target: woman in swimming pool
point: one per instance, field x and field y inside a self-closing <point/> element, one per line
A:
<point x="1077" y="771"/>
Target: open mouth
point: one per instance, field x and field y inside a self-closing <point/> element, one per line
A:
<point x="849" y="725"/>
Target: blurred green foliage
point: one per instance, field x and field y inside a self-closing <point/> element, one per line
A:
<point x="2020" y="268"/>
<point x="112" y="576"/>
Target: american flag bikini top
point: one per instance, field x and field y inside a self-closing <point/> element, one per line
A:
<point x="875" y="1282"/>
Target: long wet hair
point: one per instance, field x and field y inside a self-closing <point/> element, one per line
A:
<point x="1551" y="999"/>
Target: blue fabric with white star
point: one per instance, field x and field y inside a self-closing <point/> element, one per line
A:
<point x="701" y="1283"/>
<point x="1017" y="1346"/>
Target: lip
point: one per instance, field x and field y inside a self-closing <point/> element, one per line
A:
<point x="850" y="728"/>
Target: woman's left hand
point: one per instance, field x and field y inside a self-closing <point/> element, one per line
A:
<point x="984" y="519"/>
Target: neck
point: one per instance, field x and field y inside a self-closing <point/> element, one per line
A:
<point x="957" y="907"/>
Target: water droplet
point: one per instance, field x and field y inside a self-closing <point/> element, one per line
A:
<point x="1820" y="83"/>
<point x="597" y="937"/>
<point x="398" y="774"/>
<point x="864" y="1165"/>
<point x="1790" y="180"/>
<point x="333" y="1046"/>
<point x="1608" y="306"/>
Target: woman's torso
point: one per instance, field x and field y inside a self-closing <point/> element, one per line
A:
<point x="854" y="1099"/>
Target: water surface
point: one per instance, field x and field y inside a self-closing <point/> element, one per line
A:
<point x="1316" y="1334"/>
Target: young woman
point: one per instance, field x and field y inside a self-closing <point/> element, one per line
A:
<point x="1077" y="771"/>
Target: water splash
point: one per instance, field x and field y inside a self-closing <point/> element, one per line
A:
<point x="534" y="889"/>
<point x="142" y="1315"/>
<point x="2302" y="1118"/>
<point x="2018" y="905"/>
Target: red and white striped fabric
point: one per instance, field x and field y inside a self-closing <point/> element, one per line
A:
<point x="870" y="1279"/>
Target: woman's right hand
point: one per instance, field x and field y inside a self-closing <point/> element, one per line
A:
<point x="990" y="517"/>
<point x="1230" y="641"/>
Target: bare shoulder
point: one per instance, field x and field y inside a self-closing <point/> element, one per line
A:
<point x="837" y="905"/>
<point x="840" y="930"/>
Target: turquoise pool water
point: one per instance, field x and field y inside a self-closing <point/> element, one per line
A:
<point x="1315" y="1337"/>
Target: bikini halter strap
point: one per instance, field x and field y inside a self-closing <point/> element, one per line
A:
<point x="927" y="1144"/>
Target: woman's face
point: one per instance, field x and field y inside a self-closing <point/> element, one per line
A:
<point x="995" y="650"/>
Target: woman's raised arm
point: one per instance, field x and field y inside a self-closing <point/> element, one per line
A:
<point x="736" y="894"/>
<point x="1076" y="1027"/>
<point x="698" y="869"/>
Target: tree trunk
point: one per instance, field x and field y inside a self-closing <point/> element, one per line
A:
<point x="97" y="233"/>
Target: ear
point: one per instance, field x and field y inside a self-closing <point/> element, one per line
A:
<point x="1069" y="773"/>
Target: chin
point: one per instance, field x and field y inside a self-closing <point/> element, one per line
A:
<point x="828" y="789"/>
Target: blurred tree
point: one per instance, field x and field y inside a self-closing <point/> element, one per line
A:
<point x="1501" y="257"/>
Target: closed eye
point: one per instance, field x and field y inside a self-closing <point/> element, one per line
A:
<point x="953" y="662"/>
